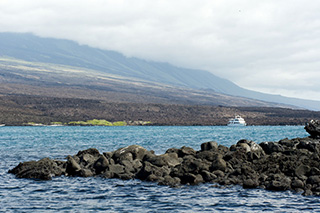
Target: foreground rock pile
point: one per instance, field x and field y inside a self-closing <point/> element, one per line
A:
<point x="285" y="165"/>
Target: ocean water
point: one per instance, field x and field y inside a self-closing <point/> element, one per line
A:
<point x="73" y="194"/>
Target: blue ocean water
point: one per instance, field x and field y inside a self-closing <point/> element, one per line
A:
<point x="74" y="194"/>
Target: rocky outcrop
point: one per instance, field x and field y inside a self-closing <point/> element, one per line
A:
<point x="43" y="169"/>
<point x="285" y="165"/>
<point x="313" y="128"/>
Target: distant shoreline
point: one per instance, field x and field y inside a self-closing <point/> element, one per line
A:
<point x="149" y="125"/>
<point x="19" y="110"/>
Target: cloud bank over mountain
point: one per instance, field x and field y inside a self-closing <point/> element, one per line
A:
<point x="269" y="46"/>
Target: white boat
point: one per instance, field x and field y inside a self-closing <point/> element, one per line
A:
<point x="237" y="121"/>
<point x="2" y="124"/>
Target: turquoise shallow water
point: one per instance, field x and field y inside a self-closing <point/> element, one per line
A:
<point x="19" y="144"/>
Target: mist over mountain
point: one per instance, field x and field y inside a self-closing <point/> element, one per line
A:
<point x="32" y="48"/>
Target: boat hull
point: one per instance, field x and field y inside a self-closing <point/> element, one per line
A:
<point x="236" y="125"/>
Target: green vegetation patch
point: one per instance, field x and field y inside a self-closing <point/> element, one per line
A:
<point x="77" y="123"/>
<point x="96" y="122"/>
<point x="120" y="123"/>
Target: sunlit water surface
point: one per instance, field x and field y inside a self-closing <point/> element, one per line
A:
<point x="19" y="144"/>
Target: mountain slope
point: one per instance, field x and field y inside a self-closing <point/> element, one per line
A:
<point x="32" y="48"/>
<point x="57" y="51"/>
<point x="52" y="80"/>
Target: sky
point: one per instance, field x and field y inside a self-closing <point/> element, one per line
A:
<point x="270" y="46"/>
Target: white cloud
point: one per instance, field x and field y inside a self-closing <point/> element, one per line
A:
<point x="270" y="46"/>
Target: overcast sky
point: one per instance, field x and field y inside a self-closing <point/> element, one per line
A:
<point x="271" y="46"/>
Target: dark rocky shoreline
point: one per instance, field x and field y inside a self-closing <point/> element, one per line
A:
<point x="290" y="164"/>
<point x="17" y="110"/>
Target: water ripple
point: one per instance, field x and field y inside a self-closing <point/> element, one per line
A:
<point x="112" y="195"/>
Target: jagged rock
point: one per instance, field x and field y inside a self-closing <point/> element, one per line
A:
<point x="289" y="143"/>
<point x="307" y="192"/>
<point x="223" y="149"/>
<point x="154" y="178"/>
<point x="314" y="179"/>
<point x="207" y="155"/>
<point x="279" y="182"/>
<point x="302" y="170"/>
<point x="128" y="165"/>
<point x="87" y="157"/>
<point x="43" y="169"/>
<point x="170" y="181"/>
<point x="190" y="164"/>
<point x="72" y="166"/>
<point x="116" y="169"/>
<point x="309" y="144"/>
<point x="92" y="151"/>
<point x="129" y="153"/>
<point x="186" y="151"/>
<point x="108" y="155"/>
<point x="297" y="184"/>
<point x="124" y="176"/>
<point x="107" y="174"/>
<point x="101" y="164"/>
<point x="314" y="171"/>
<point x="290" y="164"/>
<point x="191" y="179"/>
<point x="208" y="176"/>
<point x="172" y="159"/>
<point x="313" y="128"/>
<point x="209" y="146"/>
<point x="137" y="164"/>
<point x="149" y="169"/>
<point x="85" y="173"/>
<point x="172" y="150"/>
<point x="270" y="147"/>
<point x="250" y="184"/>
<point x="253" y="150"/>
<point x="132" y="166"/>
<point x="167" y="159"/>
<point x="218" y="173"/>
<point x="218" y="164"/>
